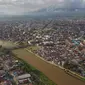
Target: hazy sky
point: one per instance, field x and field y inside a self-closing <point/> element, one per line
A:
<point x="17" y="7"/>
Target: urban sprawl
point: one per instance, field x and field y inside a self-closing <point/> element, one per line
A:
<point x="61" y="42"/>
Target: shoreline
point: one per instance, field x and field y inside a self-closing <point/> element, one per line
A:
<point x="54" y="73"/>
<point x="62" y="68"/>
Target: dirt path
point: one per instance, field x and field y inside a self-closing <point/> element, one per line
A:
<point x="52" y="72"/>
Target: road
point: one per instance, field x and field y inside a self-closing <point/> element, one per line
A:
<point x="52" y="72"/>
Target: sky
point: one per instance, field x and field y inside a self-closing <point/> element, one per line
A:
<point x="19" y="7"/>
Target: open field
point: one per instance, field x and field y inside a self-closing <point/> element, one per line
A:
<point x="52" y="72"/>
<point x="8" y="44"/>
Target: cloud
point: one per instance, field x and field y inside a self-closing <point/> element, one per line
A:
<point x="17" y="7"/>
<point x="74" y="3"/>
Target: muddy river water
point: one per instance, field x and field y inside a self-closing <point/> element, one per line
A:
<point x="54" y="73"/>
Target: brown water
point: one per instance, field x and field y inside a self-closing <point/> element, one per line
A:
<point x="52" y="72"/>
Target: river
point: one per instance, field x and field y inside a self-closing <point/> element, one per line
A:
<point x="54" y="73"/>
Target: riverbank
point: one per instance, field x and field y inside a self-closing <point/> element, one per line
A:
<point x="40" y="78"/>
<point x="66" y="70"/>
<point x="52" y="72"/>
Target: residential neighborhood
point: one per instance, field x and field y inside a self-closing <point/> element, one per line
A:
<point x="61" y="42"/>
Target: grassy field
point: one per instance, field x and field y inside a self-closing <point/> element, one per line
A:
<point x="52" y="72"/>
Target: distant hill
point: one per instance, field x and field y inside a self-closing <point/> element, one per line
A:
<point x="50" y="12"/>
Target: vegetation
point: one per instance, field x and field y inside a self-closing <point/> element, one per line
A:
<point x="38" y="77"/>
<point x="33" y="48"/>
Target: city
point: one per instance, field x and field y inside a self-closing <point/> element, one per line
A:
<point x="57" y="41"/>
<point x="42" y="42"/>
